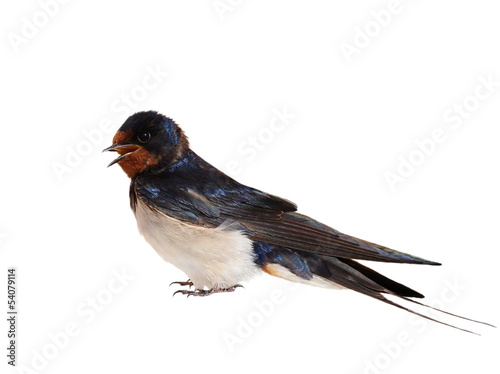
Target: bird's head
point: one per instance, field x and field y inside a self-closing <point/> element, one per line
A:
<point x="146" y="141"/>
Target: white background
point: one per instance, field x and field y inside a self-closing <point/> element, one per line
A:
<point x="227" y="74"/>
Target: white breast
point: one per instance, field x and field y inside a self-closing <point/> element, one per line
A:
<point x="212" y="258"/>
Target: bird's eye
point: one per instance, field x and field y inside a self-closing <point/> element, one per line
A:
<point x="143" y="137"/>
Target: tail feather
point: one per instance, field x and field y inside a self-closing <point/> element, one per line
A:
<point x="395" y="287"/>
<point x="351" y="274"/>
<point x="330" y="271"/>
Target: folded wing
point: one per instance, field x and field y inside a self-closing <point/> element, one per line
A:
<point x="210" y="198"/>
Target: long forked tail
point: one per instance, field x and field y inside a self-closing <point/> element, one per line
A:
<point x="331" y="271"/>
<point x="357" y="277"/>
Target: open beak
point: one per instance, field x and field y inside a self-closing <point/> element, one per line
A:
<point x="123" y="149"/>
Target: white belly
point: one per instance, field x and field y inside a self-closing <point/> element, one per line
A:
<point x="212" y="258"/>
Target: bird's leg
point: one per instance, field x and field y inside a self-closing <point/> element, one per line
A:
<point x="186" y="283"/>
<point x="199" y="292"/>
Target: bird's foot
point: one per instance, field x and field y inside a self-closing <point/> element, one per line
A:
<point x="198" y="292"/>
<point x="183" y="284"/>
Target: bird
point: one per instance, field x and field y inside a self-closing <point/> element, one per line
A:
<point x="221" y="233"/>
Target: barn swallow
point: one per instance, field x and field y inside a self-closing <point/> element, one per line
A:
<point x="221" y="233"/>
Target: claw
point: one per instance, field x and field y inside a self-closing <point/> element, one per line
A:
<point x="198" y="292"/>
<point x="186" y="283"/>
<point x="180" y="291"/>
<point x="193" y="292"/>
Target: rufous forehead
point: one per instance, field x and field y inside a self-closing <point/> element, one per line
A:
<point x="122" y="136"/>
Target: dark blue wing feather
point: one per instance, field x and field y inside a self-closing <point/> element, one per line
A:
<point x="196" y="192"/>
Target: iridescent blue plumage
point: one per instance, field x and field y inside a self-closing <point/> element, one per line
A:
<point x="189" y="199"/>
<point x="194" y="191"/>
<point x="270" y="254"/>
